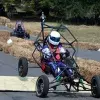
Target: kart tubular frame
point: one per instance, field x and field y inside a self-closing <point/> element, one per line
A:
<point x="68" y="85"/>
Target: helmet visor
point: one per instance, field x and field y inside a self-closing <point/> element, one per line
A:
<point x="55" y="39"/>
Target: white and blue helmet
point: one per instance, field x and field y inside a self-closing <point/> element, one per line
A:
<point x="54" y="38"/>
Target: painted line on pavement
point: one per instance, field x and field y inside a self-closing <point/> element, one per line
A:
<point x="23" y="84"/>
<point x="15" y="83"/>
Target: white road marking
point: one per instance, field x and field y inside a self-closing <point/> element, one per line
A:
<point x="16" y="83"/>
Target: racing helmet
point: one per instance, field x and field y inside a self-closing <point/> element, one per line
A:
<point x="54" y="38"/>
<point x="19" y="26"/>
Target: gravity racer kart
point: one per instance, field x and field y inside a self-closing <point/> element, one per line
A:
<point x="19" y="31"/>
<point x="43" y="85"/>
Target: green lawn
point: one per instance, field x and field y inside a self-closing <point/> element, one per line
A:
<point x="86" y="33"/>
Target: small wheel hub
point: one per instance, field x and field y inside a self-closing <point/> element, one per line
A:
<point x="20" y="69"/>
<point x="40" y="86"/>
<point x="94" y="89"/>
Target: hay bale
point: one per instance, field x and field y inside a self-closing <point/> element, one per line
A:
<point x="19" y="48"/>
<point x="23" y="43"/>
<point x="88" y="46"/>
<point x="88" y="68"/>
<point x="4" y="36"/>
<point x="4" y="20"/>
<point x="1" y="45"/>
<point x="19" y="51"/>
<point x="10" y="25"/>
<point x="28" y="31"/>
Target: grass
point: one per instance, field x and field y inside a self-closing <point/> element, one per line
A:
<point x="31" y="27"/>
<point x="86" y="33"/>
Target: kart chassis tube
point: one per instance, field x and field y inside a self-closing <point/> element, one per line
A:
<point x="43" y="25"/>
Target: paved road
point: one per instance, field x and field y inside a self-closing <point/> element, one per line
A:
<point x="5" y="28"/>
<point x="8" y="66"/>
<point x="88" y="54"/>
<point x="51" y="96"/>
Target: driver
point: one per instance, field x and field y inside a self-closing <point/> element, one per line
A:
<point x="51" y="55"/>
<point x="19" y="28"/>
<point x="19" y="31"/>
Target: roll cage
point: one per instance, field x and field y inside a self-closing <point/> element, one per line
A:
<point x="41" y="38"/>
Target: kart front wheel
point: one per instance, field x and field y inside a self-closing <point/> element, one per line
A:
<point x="23" y="67"/>
<point x="27" y="35"/>
<point x="95" y="86"/>
<point x="42" y="86"/>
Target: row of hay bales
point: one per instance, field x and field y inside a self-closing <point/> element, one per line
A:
<point x="24" y="48"/>
<point x="88" y="46"/>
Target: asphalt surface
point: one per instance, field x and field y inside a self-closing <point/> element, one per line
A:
<point x="5" y="28"/>
<point x="51" y="96"/>
<point x="87" y="54"/>
<point x="8" y="67"/>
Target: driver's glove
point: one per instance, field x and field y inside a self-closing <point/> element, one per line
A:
<point x="67" y="53"/>
<point x="46" y="52"/>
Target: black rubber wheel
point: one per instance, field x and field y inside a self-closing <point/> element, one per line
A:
<point x="27" y="35"/>
<point x="23" y="67"/>
<point x="95" y="86"/>
<point x="42" y="86"/>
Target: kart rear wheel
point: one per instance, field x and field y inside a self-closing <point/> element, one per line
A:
<point x="42" y="86"/>
<point x="28" y="36"/>
<point x="95" y="86"/>
<point x="23" y="67"/>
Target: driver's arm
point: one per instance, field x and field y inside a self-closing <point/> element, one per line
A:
<point x="46" y="52"/>
<point x="64" y="51"/>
